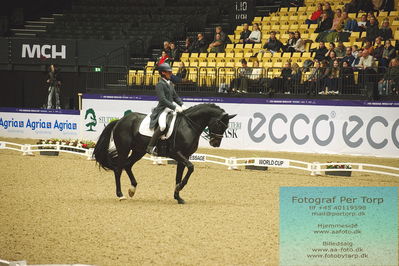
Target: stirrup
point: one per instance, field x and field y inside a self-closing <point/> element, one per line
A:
<point x="152" y="150"/>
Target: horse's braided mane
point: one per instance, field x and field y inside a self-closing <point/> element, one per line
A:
<point x="195" y="108"/>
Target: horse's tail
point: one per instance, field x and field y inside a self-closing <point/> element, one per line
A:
<point x="101" y="152"/>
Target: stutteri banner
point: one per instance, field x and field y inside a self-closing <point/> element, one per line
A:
<point x="312" y="126"/>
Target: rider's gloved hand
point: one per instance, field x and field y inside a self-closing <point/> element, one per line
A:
<point x="179" y="109"/>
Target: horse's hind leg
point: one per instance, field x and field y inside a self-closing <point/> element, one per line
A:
<point x="121" y="161"/>
<point x="128" y="168"/>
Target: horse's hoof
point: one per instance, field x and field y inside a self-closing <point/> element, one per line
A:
<point x="181" y="201"/>
<point x="122" y="198"/>
<point x="132" y="191"/>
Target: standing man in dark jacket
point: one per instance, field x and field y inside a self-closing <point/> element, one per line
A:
<point x="320" y="53"/>
<point x="168" y="101"/>
<point x="54" y="87"/>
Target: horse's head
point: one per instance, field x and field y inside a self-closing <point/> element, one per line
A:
<point x="217" y="126"/>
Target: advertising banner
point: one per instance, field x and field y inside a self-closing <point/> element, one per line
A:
<point x="41" y="51"/>
<point x="39" y="123"/>
<point x="311" y="126"/>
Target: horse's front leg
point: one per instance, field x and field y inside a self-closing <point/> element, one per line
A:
<point x="179" y="175"/>
<point x="190" y="169"/>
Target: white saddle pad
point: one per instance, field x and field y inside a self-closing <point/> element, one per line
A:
<point x="145" y="130"/>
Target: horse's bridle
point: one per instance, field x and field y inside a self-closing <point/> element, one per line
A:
<point x="209" y="135"/>
<point x="217" y="136"/>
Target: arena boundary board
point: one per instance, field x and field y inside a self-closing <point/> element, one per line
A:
<point x="232" y="163"/>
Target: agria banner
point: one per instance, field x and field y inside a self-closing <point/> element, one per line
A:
<point x="39" y="123"/>
<point x="311" y="126"/>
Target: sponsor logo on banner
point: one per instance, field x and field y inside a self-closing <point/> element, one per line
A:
<point x="271" y="162"/>
<point x="90" y="116"/>
<point x="43" y="51"/>
<point x="355" y="122"/>
<point x="30" y="125"/>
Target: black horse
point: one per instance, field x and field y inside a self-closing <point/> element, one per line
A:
<point x="182" y="143"/>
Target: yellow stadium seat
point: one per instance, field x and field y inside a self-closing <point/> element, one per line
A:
<point x="185" y="55"/>
<point x="396" y="35"/>
<point x="248" y="47"/>
<point x="284" y="9"/>
<point x="229" y="48"/>
<point x="394" y="13"/>
<point x="296" y="54"/>
<point x="302" y="9"/>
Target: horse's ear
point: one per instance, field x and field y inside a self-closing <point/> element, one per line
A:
<point x="232" y="116"/>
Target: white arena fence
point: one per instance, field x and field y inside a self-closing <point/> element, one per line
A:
<point x="232" y="163"/>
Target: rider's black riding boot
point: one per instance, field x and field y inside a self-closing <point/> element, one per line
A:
<point x="153" y="142"/>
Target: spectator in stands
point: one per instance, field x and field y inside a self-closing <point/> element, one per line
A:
<point x="313" y="82"/>
<point x="325" y="71"/>
<point x="352" y="6"/>
<point x="331" y="48"/>
<point x="370" y="14"/>
<point x="174" y="54"/>
<point x="349" y="58"/>
<point x="337" y="21"/>
<point x="366" y="61"/>
<point x="324" y="23"/>
<point x="315" y="15"/>
<point x="320" y="53"/>
<point x="223" y="36"/>
<point x="290" y="43"/>
<point x="295" y="79"/>
<point x="389" y="84"/>
<point x="349" y="24"/>
<point x="385" y="30"/>
<point x="347" y="77"/>
<point x="166" y="47"/>
<point x="388" y="54"/>
<point x="281" y="83"/>
<point x="362" y="24"/>
<point x="372" y="30"/>
<point x="333" y="78"/>
<point x="54" y="82"/>
<point x="217" y="45"/>
<point x="163" y="59"/>
<point x="240" y="84"/>
<point x="272" y="44"/>
<point x="200" y="45"/>
<point x="377" y="4"/>
<point x="188" y="45"/>
<point x="299" y="45"/>
<point x="255" y="36"/>
<point x="355" y="50"/>
<point x="364" y="5"/>
<point x="245" y="33"/>
<point x="357" y="58"/>
<point x="340" y="50"/>
<point x="256" y="82"/>
<point x="378" y="49"/>
<point x="367" y="67"/>
<point x="328" y="10"/>
<point x="331" y="58"/>
<point x="368" y="47"/>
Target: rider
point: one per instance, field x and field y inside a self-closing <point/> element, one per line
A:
<point x="168" y="101"/>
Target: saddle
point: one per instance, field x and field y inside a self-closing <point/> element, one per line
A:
<point x="145" y="130"/>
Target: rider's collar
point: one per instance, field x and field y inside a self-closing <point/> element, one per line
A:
<point x="166" y="80"/>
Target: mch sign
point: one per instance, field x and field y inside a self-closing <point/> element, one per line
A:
<point x="43" y="51"/>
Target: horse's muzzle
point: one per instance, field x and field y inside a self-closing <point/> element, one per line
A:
<point x="214" y="142"/>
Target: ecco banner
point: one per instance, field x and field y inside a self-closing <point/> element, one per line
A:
<point x="33" y="51"/>
<point x="312" y="126"/>
<point x="39" y="124"/>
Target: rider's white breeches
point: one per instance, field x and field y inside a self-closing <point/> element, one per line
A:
<point x="162" y="118"/>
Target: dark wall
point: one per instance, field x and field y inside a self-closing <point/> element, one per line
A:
<point x="28" y="89"/>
